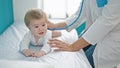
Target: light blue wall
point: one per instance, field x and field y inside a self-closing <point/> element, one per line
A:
<point x="6" y="14"/>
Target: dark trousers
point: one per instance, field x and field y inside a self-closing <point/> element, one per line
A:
<point x="89" y="54"/>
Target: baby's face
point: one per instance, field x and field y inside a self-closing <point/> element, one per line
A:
<point x="38" y="27"/>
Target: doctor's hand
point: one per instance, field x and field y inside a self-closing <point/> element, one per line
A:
<point x="59" y="45"/>
<point x="50" y="25"/>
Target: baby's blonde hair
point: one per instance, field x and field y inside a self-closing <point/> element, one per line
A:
<point x="34" y="14"/>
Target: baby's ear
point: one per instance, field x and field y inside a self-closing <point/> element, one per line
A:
<point x="29" y="26"/>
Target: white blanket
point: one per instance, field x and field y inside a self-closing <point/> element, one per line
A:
<point x="23" y="64"/>
<point x="9" y="49"/>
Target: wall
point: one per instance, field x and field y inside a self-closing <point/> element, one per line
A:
<point x="6" y="14"/>
<point x="21" y="6"/>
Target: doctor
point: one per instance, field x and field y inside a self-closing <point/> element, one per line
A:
<point x="103" y="29"/>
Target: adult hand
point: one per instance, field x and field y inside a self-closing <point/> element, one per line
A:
<point x="50" y="24"/>
<point x="60" y="45"/>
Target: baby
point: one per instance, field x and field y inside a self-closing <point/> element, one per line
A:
<point x="36" y="21"/>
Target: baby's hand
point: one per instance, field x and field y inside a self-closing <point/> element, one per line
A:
<point x="27" y="52"/>
<point x="38" y="54"/>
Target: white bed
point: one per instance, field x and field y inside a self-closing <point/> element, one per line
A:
<point x="9" y="48"/>
<point x="23" y="64"/>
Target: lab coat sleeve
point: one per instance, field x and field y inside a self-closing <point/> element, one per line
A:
<point x="109" y="19"/>
<point x="79" y="21"/>
<point x="24" y="44"/>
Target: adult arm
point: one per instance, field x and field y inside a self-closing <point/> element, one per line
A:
<point x="109" y="20"/>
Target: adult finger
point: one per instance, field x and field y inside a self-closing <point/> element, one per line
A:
<point x="54" y="41"/>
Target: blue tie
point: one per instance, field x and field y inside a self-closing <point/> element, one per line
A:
<point x="101" y="3"/>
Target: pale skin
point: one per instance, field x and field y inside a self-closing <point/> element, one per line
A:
<point x="29" y="53"/>
<point x="38" y="27"/>
<point x="61" y="45"/>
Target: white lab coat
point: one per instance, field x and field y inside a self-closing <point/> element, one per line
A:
<point x="103" y="26"/>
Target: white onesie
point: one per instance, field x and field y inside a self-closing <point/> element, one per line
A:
<point x="42" y="42"/>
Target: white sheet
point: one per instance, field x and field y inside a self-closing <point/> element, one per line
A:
<point x="23" y="64"/>
<point x="9" y="49"/>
